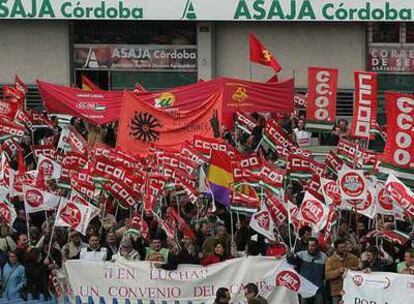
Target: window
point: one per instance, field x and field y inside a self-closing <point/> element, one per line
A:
<point x="410" y="32"/>
<point x="385" y="32"/>
<point x="127" y="32"/>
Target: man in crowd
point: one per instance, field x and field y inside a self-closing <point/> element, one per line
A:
<point x="305" y="234"/>
<point x="310" y="264"/>
<point x="94" y="251"/>
<point x="74" y="246"/>
<point x="336" y="265"/>
<point x="111" y="244"/>
<point x="407" y="267"/>
<point x="251" y="291"/>
<point x="126" y="253"/>
<point x="156" y="253"/>
<point x="301" y="135"/>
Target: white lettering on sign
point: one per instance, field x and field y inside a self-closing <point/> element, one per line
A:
<point x="323" y="91"/>
<point x="365" y="93"/>
<point x="403" y="139"/>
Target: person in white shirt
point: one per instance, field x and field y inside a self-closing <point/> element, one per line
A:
<point x="94" y="251"/>
<point x="302" y="137"/>
<point x="126" y="252"/>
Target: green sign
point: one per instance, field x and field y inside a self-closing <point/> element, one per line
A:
<point x="210" y="10"/>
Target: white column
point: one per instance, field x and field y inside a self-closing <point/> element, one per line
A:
<point x="205" y="43"/>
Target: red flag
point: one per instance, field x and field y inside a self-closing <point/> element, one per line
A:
<point x="89" y="85"/>
<point x="139" y="89"/>
<point x="141" y="125"/>
<point x="261" y="55"/>
<point x="365" y="109"/>
<point x="21" y="163"/>
<point x="20" y="85"/>
<point x="398" y="156"/>
<point x="186" y="229"/>
<point x="322" y="87"/>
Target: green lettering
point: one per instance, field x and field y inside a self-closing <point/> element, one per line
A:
<point x="65" y="13"/>
<point x="242" y="11"/>
<point x="292" y="14"/>
<point x="260" y="11"/>
<point x="276" y="10"/>
<point x="306" y="11"/>
<point x="46" y="9"/>
<point x="4" y="10"/>
<point x="325" y="13"/>
<point x="405" y="14"/>
<point x="18" y="9"/>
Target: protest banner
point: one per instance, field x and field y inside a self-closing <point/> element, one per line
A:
<point x="378" y="288"/>
<point x="140" y="281"/>
<point x="141" y="124"/>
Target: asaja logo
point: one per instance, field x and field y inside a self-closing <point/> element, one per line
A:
<point x="240" y="95"/>
<point x="165" y="100"/>
<point x="189" y="11"/>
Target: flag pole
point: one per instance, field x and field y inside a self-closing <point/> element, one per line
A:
<point x="250" y="70"/>
<point x="28" y="226"/>
<point x="53" y="231"/>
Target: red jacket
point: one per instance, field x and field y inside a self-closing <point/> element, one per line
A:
<point x="212" y="259"/>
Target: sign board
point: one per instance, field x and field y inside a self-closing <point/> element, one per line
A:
<point x="142" y="282"/>
<point x="136" y="57"/>
<point x="391" y="58"/>
<point x="214" y="10"/>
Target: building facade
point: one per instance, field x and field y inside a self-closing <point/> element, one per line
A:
<point x="161" y="43"/>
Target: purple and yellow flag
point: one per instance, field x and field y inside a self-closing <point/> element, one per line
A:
<point x="220" y="177"/>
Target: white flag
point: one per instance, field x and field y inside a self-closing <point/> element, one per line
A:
<point x="51" y="169"/>
<point x="262" y="223"/>
<point x="7" y="213"/>
<point x="330" y="191"/>
<point x="285" y="275"/>
<point x="400" y="194"/>
<point x="370" y="206"/>
<point x="313" y="212"/>
<point x="63" y="140"/>
<point x="36" y="200"/>
<point x="74" y="215"/>
<point x="353" y="186"/>
<point x="76" y="197"/>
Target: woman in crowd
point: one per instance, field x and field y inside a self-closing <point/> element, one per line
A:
<point x="217" y="257"/>
<point x="13" y="278"/>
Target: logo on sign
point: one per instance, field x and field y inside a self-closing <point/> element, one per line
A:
<point x="5" y="212"/>
<point x="34" y="198"/>
<point x="263" y="219"/>
<point x="240" y="95"/>
<point x="165" y="100"/>
<point x="352" y="184"/>
<point x="288" y="279"/>
<point x="358" y="280"/>
<point x="312" y="211"/>
<point x="71" y="215"/>
<point x="331" y="190"/>
<point x="47" y="166"/>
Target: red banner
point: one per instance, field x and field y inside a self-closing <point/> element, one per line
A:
<point x="365" y="108"/>
<point x="104" y="107"/>
<point x="398" y="153"/>
<point x="99" y="107"/>
<point x="322" y="87"/>
<point x="141" y="125"/>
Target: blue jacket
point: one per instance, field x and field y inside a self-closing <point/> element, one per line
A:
<point x="311" y="267"/>
<point x="15" y="281"/>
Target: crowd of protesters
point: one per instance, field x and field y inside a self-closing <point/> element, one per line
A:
<point x="29" y="266"/>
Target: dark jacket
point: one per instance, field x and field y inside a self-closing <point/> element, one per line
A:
<point x="37" y="279"/>
<point x="311" y="267"/>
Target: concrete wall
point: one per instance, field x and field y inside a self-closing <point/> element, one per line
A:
<point x="296" y="45"/>
<point x="34" y="50"/>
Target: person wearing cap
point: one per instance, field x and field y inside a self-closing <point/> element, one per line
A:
<point x="126" y="252"/>
<point x="71" y="251"/>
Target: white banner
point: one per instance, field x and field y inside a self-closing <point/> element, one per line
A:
<point x="140" y="282"/>
<point x="378" y="288"/>
<point x="214" y="10"/>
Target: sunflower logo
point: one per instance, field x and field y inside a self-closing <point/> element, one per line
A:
<point x="143" y="127"/>
<point x="165" y="100"/>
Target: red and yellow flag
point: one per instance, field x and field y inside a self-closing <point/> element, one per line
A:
<point x="89" y="85"/>
<point x="142" y="125"/>
<point x="261" y="55"/>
